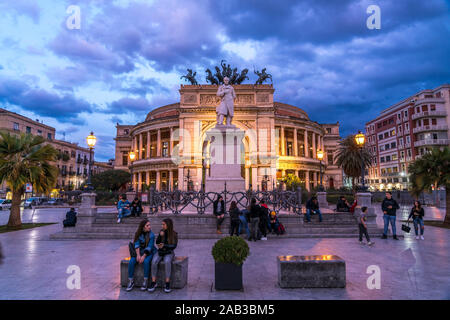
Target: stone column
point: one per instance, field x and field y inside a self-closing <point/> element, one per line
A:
<point x="306" y="145"/>
<point x="140" y="147"/>
<point x="322" y="198"/>
<point x="147" y="178"/>
<point x="283" y="143"/>
<point x="247" y="178"/>
<point x="158" y="144"/>
<point x="139" y="186"/>
<point x="295" y="143"/>
<point x="86" y="212"/>
<point x="171" y="142"/>
<point x="314" y="146"/>
<point x="307" y="180"/>
<point x="158" y="180"/>
<point x="148" y="145"/>
<point x="199" y="177"/>
<point x="170" y="179"/>
<point x="254" y="178"/>
<point x="181" y="179"/>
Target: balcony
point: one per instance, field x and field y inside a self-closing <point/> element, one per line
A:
<point x="419" y="115"/>
<point x="430" y="128"/>
<point x="390" y="174"/>
<point x="432" y="142"/>
<point x="429" y="100"/>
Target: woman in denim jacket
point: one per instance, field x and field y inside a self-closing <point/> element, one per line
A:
<point x="123" y="208"/>
<point x="144" y="244"/>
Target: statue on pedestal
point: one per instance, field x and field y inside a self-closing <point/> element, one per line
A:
<point x="226" y="106"/>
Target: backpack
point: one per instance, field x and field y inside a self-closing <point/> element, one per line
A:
<point x="281" y="229"/>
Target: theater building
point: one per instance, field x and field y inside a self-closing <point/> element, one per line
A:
<point x="172" y="151"/>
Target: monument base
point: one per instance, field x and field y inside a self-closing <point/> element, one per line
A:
<point x="218" y="184"/>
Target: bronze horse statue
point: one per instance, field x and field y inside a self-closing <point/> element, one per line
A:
<point x="262" y="76"/>
<point x="190" y="77"/>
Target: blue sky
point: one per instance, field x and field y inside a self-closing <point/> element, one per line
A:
<point x="128" y="56"/>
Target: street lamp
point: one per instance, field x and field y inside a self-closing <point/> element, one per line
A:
<point x="91" y="140"/>
<point x="360" y="141"/>
<point x="131" y="156"/>
<point x="320" y="157"/>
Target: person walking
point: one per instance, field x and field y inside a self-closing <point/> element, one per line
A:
<point x="417" y="213"/>
<point x="254" y="219"/>
<point x="144" y="250"/>
<point x="219" y="212"/>
<point x="312" y="207"/>
<point x="166" y="242"/>
<point x="234" y="218"/>
<point x="363" y="227"/>
<point x="389" y="207"/>
<point x="263" y="219"/>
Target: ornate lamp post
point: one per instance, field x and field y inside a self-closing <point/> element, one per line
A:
<point x="131" y="156"/>
<point x="360" y="141"/>
<point x="320" y="157"/>
<point x="91" y="140"/>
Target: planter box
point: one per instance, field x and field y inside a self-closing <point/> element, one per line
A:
<point x="228" y="276"/>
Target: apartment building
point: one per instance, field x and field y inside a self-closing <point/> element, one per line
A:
<point x="73" y="160"/>
<point x="404" y="132"/>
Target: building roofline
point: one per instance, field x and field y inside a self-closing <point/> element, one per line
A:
<point x="26" y="118"/>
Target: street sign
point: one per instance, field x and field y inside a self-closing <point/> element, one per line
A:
<point x="28" y="187"/>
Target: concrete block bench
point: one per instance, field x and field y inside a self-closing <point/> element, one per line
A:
<point x="315" y="271"/>
<point x="178" y="278"/>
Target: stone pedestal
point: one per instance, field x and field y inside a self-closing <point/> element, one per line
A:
<point x="87" y="211"/>
<point x="225" y="159"/>
<point x="322" y="198"/>
<point x="327" y="271"/>
<point x="364" y="199"/>
<point x="130" y="195"/>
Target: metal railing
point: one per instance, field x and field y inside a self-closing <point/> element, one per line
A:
<point x="176" y="201"/>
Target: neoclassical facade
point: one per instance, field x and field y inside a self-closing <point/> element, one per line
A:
<point x="172" y="150"/>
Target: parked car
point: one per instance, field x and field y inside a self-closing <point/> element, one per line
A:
<point x="55" y="202"/>
<point x="34" y="201"/>
<point x="5" y="204"/>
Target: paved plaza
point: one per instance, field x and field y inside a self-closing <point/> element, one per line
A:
<point x="35" y="267"/>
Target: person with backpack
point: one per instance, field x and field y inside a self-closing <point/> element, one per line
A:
<point x="342" y="205"/>
<point x="71" y="218"/>
<point x="166" y="242"/>
<point x="142" y="250"/>
<point x="417" y="213"/>
<point x="234" y="218"/>
<point x="312" y="207"/>
<point x="263" y="219"/>
<point x="363" y="227"/>
<point x="219" y="212"/>
<point x="254" y="220"/>
<point x="389" y="207"/>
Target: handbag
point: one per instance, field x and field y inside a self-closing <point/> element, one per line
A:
<point x="132" y="250"/>
<point x="406" y="228"/>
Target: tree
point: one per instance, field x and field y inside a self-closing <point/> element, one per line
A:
<point x="110" y="180"/>
<point x="432" y="170"/>
<point x="349" y="158"/>
<point x="292" y="182"/>
<point x="25" y="159"/>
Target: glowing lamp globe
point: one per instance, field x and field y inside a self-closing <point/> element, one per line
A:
<point x="319" y="154"/>
<point x="360" y="139"/>
<point x="91" y="140"/>
<point x="132" y="155"/>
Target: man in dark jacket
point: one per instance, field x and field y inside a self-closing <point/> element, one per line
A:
<point x="389" y="207"/>
<point x="255" y="213"/>
<point x="219" y="212"/>
<point x="342" y="205"/>
<point x="264" y="219"/>
<point x="136" y="207"/>
<point x="312" y="207"/>
<point x="71" y="218"/>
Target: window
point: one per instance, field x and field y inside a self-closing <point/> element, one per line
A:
<point x="49" y="136"/>
<point x="330" y="158"/>
<point x="426" y="122"/>
<point x="418" y="110"/>
<point x="400" y="128"/>
<point x="39" y="132"/>
<point x="393" y="145"/>
<point x="329" y="130"/>
<point x="391" y="121"/>
<point x="408" y="139"/>
<point x="399" y="116"/>
<point x="125" y="158"/>
<point x="386" y="146"/>
<point x="386" y="135"/>
<point x="393" y="133"/>
<point x="432" y="107"/>
<point x="424" y="108"/>
<point x="379" y="125"/>
<point x="28" y="130"/>
<point x="16" y="126"/>
<point x="126" y="131"/>
<point x="433" y="122"/>
<point x="407" y="127"/>
<point x="394" y="157"/>
<point x="408" y="152"/>
<point x="388" y="158"/>
<point x="382" y="160"/>
<point x="380" y="137"/>
<point x="165" y="149"/>
<point x="289" y="151"/>
<point x="406" y="113"/>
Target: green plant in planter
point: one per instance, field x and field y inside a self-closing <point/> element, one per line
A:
<point x="232" y="249"/>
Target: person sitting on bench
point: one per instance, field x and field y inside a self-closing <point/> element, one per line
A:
<point x="136" y="207"/>
<point x="71" y="218"/>
<point x="123" y="208"/>
<point x="343" y="205"/>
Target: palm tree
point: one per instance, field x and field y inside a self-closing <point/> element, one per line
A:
<point x="349" y="158"/>
<point x="25" y="159"/>
<point x="432" y="170"/>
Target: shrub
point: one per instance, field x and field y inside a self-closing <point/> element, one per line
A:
<point x="232" y="249"/>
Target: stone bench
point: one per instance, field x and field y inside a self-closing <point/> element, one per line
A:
<point x="315" y="271"/>
<point x="178" y="277"/>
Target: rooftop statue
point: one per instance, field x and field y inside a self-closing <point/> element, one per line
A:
<point x="262" y="76"/>
<point x="190" y="77"/>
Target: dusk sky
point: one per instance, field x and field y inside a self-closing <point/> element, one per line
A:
<point x="127" y="57"/>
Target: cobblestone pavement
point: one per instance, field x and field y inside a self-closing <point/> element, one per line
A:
<point x="35" y="267"/>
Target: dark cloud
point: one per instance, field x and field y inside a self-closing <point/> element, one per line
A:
<point x="124" y="105"/>
<point x="65" y="108"/>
